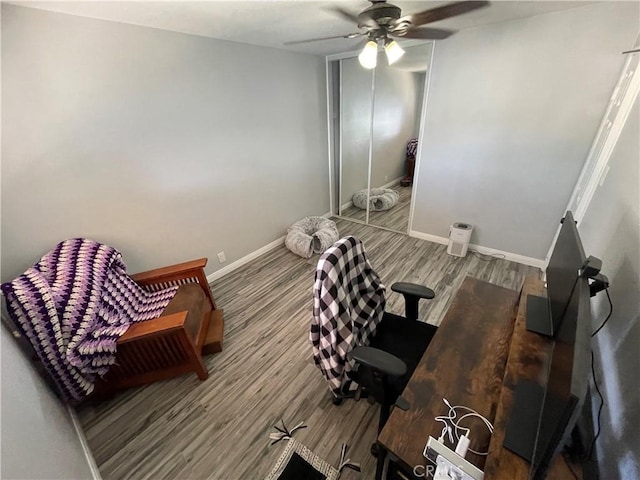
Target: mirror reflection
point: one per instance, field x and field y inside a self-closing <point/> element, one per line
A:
<point x="355" y="134"/>
<point x="380" y="112"/>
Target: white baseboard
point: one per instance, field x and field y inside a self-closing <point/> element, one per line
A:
<point x="244" y="260"/>
<point x="347" y="205"/>
<point x="247" y="258"/>
<point x="93" y="466"/>
<point x="428" y="237"/>
<point x="512" y="257"/>
<point x="391" y="183"/>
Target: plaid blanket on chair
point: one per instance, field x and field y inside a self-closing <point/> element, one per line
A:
<point x="73" y="305"/>
<point x="348" y="304"/>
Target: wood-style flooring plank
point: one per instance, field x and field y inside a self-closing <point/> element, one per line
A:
<point x="218" y="429"/>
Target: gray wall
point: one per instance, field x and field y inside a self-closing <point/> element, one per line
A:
<point x="38" y="437"/>
<point x="165" y="145"/>
<point x="610" y="230"/>
<point x="513" y="108"/>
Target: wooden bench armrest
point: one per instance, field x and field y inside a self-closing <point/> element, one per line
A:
<point x="173" y="274"/>
<point x="167" y="273"/>
<point x="157" y="326"/>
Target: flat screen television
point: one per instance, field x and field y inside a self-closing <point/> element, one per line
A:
<point x="567" y="380"/>
<point x="543" y="415"/>
<point x="545" y="314"/>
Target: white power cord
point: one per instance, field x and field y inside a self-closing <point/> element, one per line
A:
<point x="452" y="426"/>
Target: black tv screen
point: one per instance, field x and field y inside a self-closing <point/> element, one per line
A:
<point x="567" y="258"/>
<point x="545" y="314"/>
<point x="567" y="380"/>
<point x="543" y="414"/>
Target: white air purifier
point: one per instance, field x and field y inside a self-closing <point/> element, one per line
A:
<point x="459" y="238"/>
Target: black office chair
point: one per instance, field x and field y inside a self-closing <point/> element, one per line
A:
<point x="354" y="340"/>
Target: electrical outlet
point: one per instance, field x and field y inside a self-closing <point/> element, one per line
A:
<point x="450" y="463"/>
<point x="386" y="178"/>
<point x="222" y="257"/>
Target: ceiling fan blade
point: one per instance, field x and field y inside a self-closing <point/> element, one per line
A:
<point x="348" y="35"/>
<point x="425" y="33"/>
<point x="440" y="13"/>
<point x="346" y="14"/>
<point x="632" y="51"/>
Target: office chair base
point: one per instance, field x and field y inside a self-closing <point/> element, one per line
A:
<point x="355" y="394"/>
<point x="375" y="450"/>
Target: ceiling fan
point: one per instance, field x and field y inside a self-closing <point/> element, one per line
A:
<point x="383" y="20"/>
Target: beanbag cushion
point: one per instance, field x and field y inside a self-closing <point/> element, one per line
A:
<point x="311" y="235"/>
<point x="379" y="200"/>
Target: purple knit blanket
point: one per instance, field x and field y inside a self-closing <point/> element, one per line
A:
<point x="73" y="305"/>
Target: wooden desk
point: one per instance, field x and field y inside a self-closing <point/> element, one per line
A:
<point x="528" y="359"/>
<point x="529" y="356"/>
<point x="464" y="363"/>
<point x="480" y="350"/>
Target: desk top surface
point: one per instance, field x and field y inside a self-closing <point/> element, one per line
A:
<point x="465" y="363"/>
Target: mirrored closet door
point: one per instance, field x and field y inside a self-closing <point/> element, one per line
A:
<point x="379" y="113"/>
<point x="355" y="105"/>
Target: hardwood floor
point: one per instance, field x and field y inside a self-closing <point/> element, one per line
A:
<point x="218" y="429"/>
<point x="396" y="218"/>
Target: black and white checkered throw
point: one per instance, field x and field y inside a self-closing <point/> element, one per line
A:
<point x="348" y="304"/>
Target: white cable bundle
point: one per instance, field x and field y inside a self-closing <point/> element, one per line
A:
<point x="455" y="426"/>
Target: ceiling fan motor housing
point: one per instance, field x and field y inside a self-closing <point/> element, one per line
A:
<point x="381" y="12"/>
<point x="383" y="20"/>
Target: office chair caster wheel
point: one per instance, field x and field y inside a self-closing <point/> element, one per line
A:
<point x="337" y="401"/>
<point x="374" y="449"/>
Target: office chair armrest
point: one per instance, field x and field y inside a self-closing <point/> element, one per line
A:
<point x="412" y="293"/>
<point x="379" y="360"/>
<point x="413" y="289"/>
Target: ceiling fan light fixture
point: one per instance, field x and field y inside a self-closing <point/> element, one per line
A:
<point x="368" y="58"/>
<point x="393" y="51"/>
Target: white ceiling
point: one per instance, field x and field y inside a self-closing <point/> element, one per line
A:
<point x="273" y="22"/>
